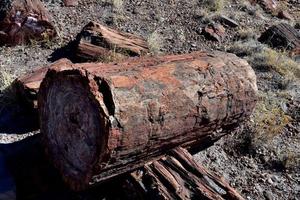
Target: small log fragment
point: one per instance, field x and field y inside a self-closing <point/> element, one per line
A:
<point x="71" y="3"/>
<point x="281" y="36"/>
<point x="24" y="20"/>
<point x="214" y="32"/>
<point x="98" y="42"/>
<point x="101" y="120"/>
<point x="178" y="176"/>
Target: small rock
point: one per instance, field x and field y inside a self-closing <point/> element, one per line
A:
<point x="70" y="3"/>
<point x="284" y="15"/>
<point x="214" y="32"/>
<point x="269" y="5"/>
<point x="268" y="195"/>
<point x="229" y="22"/>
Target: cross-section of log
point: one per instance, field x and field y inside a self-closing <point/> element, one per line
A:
<point x="98" y="42"/>
<point x="178" y="176"/>
<point x="24" y="20"/>
<point x="107" y="119"/>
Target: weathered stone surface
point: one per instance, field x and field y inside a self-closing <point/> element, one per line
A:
<point x="124" y="115"/>
<point x="214" y="32"/>
<point x="24" y="20"/>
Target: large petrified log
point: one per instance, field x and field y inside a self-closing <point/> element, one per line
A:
<point x="107" y="119"/>
<point x="98" y="42"/>
<point x="24" y="20"/>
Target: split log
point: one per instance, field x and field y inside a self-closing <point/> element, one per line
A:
<point x="98" y="42"/>
<point x="179" y="176"/>
<point x="24" y="20"/>
<point x="282" y="36"/>
<point x="101" y="120"/>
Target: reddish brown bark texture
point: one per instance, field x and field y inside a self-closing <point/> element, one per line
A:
<point x="24" y="20"/>
<point x="102" y="120"/>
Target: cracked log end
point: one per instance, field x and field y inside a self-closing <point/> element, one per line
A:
<point x="75" y="134"/>
<point x="101" y="120"/>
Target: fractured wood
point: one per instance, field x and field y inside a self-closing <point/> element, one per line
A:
<point x="98" y="42"/>
<point x="24" y="20"/>
<point x="124" y="115"/>
<point x="178" y="176"/>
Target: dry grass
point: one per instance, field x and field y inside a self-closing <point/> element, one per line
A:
<point x="118" y="5"/>
<point x="269" y="118"/>
<point x="154" y="41"/>
<point x="213" y="5"/>
<point x="7" y="94"/>
<point x="279" y="62"/>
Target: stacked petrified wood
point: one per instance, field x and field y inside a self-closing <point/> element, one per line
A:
<point x="102" y="120"/>
<point x="24" y="20"/>
<point x="179" y="176"/>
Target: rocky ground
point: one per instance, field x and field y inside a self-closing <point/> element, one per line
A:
<point x="261" y="160"/>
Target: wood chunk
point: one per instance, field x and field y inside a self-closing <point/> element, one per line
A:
<point x="214" y="32"/>
<point x="284" y="15"/>
<point x="24" y="20"/>
<point x="281" y="36"/>
<point x="98" y="42"/>
<point x="70" y="3"/>
<point x="126" y="114"/>
<point x="229" y="22"/>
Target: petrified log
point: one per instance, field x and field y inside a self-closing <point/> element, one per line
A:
<point x="282" y="36"/>
<point x="98" y="42"/>
<point x="24" y="20"/>
<point x="178" y="176"/>
<point x="70" y="3"/>
<point x="102" y="120"/>
<point x="27" y="86"/>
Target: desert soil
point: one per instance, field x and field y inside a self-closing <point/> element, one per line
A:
<point x="261" y="159"/>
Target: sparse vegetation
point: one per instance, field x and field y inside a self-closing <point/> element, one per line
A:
<point x="154" y="41"/>
<point x="213" y="5"/>
<point x="7" y="95"/>
<point x="269" y="119"/>
<point x="118" y="5"/>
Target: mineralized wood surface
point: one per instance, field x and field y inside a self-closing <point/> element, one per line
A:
<point x="98" y="42"/>
<point x="178" y="176"/>
<point x="107" y="119"/>
<point x="24" y="20"/>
